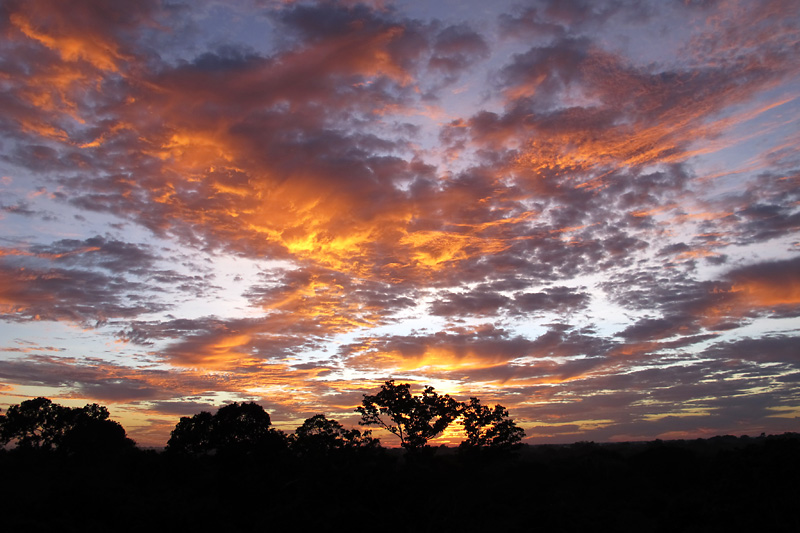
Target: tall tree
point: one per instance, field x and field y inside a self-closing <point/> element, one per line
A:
<point x="489" y="427"/>
<point x="414" y="419"/>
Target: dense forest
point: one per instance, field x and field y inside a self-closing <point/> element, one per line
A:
<point x="75" y="469"/>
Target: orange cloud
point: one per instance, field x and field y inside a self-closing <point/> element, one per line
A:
<point x="769" y="284"/>
<point x="70" y="46"/>
<point x="768" y="293"/>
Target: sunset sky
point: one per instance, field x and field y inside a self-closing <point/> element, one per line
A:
<point x="587" y="211"/>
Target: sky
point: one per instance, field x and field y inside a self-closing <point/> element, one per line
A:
<point x="586" y="211"/>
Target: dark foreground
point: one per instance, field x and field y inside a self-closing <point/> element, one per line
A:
<point x="719" y="484"/>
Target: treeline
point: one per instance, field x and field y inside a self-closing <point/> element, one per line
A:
<point x="246" y="428"/>
<point x="74" y="469"/>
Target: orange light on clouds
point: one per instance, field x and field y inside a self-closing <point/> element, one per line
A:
<point x="766" y="293"/>
<point x="297" y="201"/>
<point x="101" y="54"/>
<point x="435" y="249"/>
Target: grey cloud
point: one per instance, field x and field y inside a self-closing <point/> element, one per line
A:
<point x="770" y="348"/>
<point x="455" y="49"/>
<point x="558" y="299"/>
<point x="21" y="208"/>
<point x="85" y="297"/>
<point x="110" y="254"/>
<point x="473" y="303"/>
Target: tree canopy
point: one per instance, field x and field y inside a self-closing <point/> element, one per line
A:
<point x="320" y="435"/>
<point x="237" y="428"/>
<point x="414" y="419"/>
<point x="489" y="427"/>
<point x="417" y="419"/>
<point x="40" y="424"/>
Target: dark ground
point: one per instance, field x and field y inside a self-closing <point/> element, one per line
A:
<point x="718" y="484"/>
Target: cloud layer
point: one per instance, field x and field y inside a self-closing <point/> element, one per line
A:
<point x="588" y="212"/>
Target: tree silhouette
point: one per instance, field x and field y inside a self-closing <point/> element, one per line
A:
<point x="234" y="429"/>
<point x="414" y="419"/>
<point x="34" y="424"/>
<point x="40" y="424"/>
<point x="242" y="427"/>
<point x="192" y="434"/>
<point x="321" y="436"/>
<point x="489" y="427"/>
<point x="93" y="432"/>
